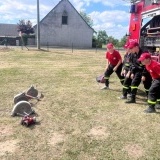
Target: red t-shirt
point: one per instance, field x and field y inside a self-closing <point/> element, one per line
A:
<point x="114" y="57"/>
<point x="154" y="69"/>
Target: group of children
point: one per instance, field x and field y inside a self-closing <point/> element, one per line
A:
<point x="135" y="67"/>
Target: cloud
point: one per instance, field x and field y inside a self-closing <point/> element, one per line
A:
<point x="11" y="11"/>
<point x="22" y="10"/>
<point x="110" y="3"/>
<point x="110" y="16"/>
<point x="113" y="22"/>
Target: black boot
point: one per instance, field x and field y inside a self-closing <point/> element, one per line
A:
<point x="131" y="100"/>
<point x="150" y="109"/>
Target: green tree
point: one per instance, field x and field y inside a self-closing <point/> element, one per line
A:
<point x="123" y="40"/>
<point x="87" y="18"/>
<point x="25" y="29"/>
<point x="116" y="42"/>
<point x="102" y="38"/>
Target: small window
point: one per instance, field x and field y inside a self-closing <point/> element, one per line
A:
<point x="64" y="18"/>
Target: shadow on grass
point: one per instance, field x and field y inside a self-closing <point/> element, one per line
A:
<point x="115" y="90"/>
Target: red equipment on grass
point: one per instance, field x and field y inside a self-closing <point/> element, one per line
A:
<point x="100" y="79"/>
<point x="27" y="120"/>
<point x="24" y="107"/>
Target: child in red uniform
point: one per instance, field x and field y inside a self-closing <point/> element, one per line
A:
<point x="114" y="64"/>
<point x="153" y="68"/>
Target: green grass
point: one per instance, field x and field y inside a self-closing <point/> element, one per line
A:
<point x="79" y="121"/>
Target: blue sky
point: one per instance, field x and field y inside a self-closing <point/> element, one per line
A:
<point x="109" y="15"/>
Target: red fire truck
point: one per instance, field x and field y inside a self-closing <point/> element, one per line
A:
<point x="144" y="26"/>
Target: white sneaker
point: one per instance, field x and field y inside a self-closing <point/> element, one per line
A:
<point x="104" y="88"/>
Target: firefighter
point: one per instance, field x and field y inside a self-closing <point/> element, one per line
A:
<point x="135" y="71"/>
<point x="126" y="65"/>
<point x="153" y="68"/>
<point x="114" y="64"/>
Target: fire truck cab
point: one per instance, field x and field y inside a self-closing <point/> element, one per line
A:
<point x="144" y="25"/>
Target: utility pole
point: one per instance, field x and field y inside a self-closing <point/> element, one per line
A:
<point x="38" y="27"/>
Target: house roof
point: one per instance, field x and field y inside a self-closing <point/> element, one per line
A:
<point x="73" y="8"/>
<point x="8" y="30"/>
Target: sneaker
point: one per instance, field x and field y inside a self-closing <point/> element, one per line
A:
<point x="123" y="97"/>
<point x="104" y="88"/>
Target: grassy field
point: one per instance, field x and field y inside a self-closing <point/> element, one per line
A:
<point x="78" y="120"/>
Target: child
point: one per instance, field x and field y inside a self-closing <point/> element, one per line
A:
<point x="153" y="68"/>
<point x="125" y="69"/>
<point x="114" y="64"/>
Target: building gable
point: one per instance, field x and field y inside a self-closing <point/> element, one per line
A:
<point x="64" y="26"/>
<point x="57" y="11"/>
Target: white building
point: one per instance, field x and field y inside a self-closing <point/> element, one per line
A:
<point x="64" y="26"/>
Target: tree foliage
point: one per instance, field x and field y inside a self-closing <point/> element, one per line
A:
<point x="111" y="39"/>
<point x="102" y="37"/>
<point x="123" y="40"/>
<point x="25" y="27"/>
<point x="87" y="18"/>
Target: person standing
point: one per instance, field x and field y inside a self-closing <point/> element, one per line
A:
<point x="114" y="64"/>
<point x="153" y="68"/>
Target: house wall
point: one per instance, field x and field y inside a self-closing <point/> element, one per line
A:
<point x="12" y="41"/>
<point x="76" y="33"/>
<point x="31" y="41"/>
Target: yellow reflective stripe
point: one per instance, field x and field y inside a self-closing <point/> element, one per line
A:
<point x="134" y="87"/>
<point x="158" y="100"/>
<point x="151" y="102"/>
<point x="125" y="87"/>
<point x="146" y="89"/>
<point x="106" y="77"/>
<point x="127" y="65"/>
<point x="122" y="79"/>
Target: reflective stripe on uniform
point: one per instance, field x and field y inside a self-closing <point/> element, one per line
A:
<point x="158" y="100"/>
<point x="106" y="77"/>
<point x="125" y="87"/>
<point x="134" y="87"/>
<point x="151" y="102"/>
